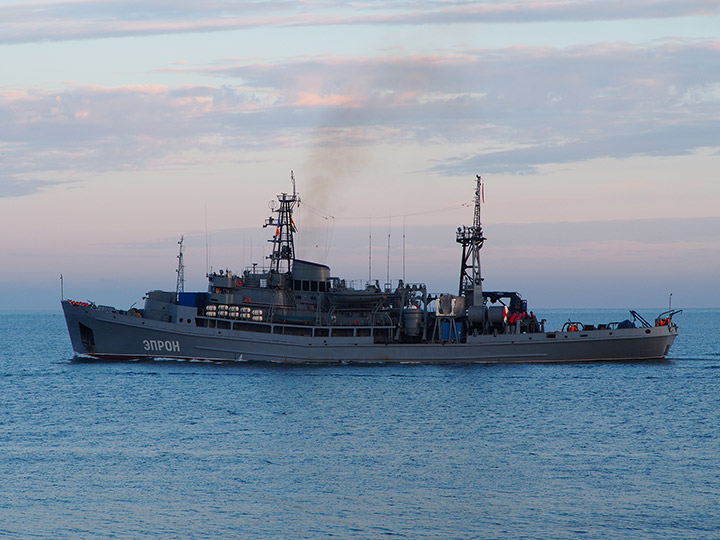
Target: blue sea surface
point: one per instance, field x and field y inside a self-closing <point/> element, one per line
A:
<point x="168" y="449"/>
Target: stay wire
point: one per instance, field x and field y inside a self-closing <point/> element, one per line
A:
<point x="323" y="215"/>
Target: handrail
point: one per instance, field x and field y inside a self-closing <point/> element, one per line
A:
<point x="638" y="317"/>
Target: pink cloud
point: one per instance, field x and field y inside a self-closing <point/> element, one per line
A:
<point x="309" y="99"/>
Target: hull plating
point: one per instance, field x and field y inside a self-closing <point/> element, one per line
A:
<point x="105" y="333"/>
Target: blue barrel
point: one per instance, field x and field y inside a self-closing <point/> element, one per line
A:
<point x="445" y="330"/>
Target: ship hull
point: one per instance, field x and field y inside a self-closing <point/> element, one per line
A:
<point x="106" y="333"/>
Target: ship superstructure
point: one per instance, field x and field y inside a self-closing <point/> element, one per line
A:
<point x="294" y="311"/>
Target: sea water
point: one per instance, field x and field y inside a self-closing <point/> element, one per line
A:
<point x="168" y="449"/>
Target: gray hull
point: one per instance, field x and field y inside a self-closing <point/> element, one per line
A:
<point x="106" y="333"/>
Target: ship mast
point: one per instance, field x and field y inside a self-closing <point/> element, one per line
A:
<point x="283" y="252"/>
<point x="472" y="239"/>
<point x="180" y="287"/>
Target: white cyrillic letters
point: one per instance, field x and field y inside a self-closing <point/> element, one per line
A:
<point x="161" y="345"/>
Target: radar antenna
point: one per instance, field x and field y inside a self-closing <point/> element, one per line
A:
<point x="180" y="287"/>
<point x="472" y="239"/>
<point x="283" y="252"/>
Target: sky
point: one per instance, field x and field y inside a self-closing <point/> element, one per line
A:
<point x="595" y="124"/>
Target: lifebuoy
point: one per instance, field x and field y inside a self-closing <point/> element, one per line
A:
<point x="356" y="322"/>
<point x="238" y="283"/>
<point x="247" y="300"/>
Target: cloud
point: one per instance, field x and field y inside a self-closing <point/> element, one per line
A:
<point x="508" y="109"/>
<point x="677" y="140"/>
<point x="12" y="187"/>
<point x="100" y="128"/>
<point x="522" y="106"/>
<point x="86" y="19"/>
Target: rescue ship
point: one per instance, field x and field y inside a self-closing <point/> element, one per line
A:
<point x="296" y="311"/>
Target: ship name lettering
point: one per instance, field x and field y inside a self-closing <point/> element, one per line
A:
<point x="161" y="345"/>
